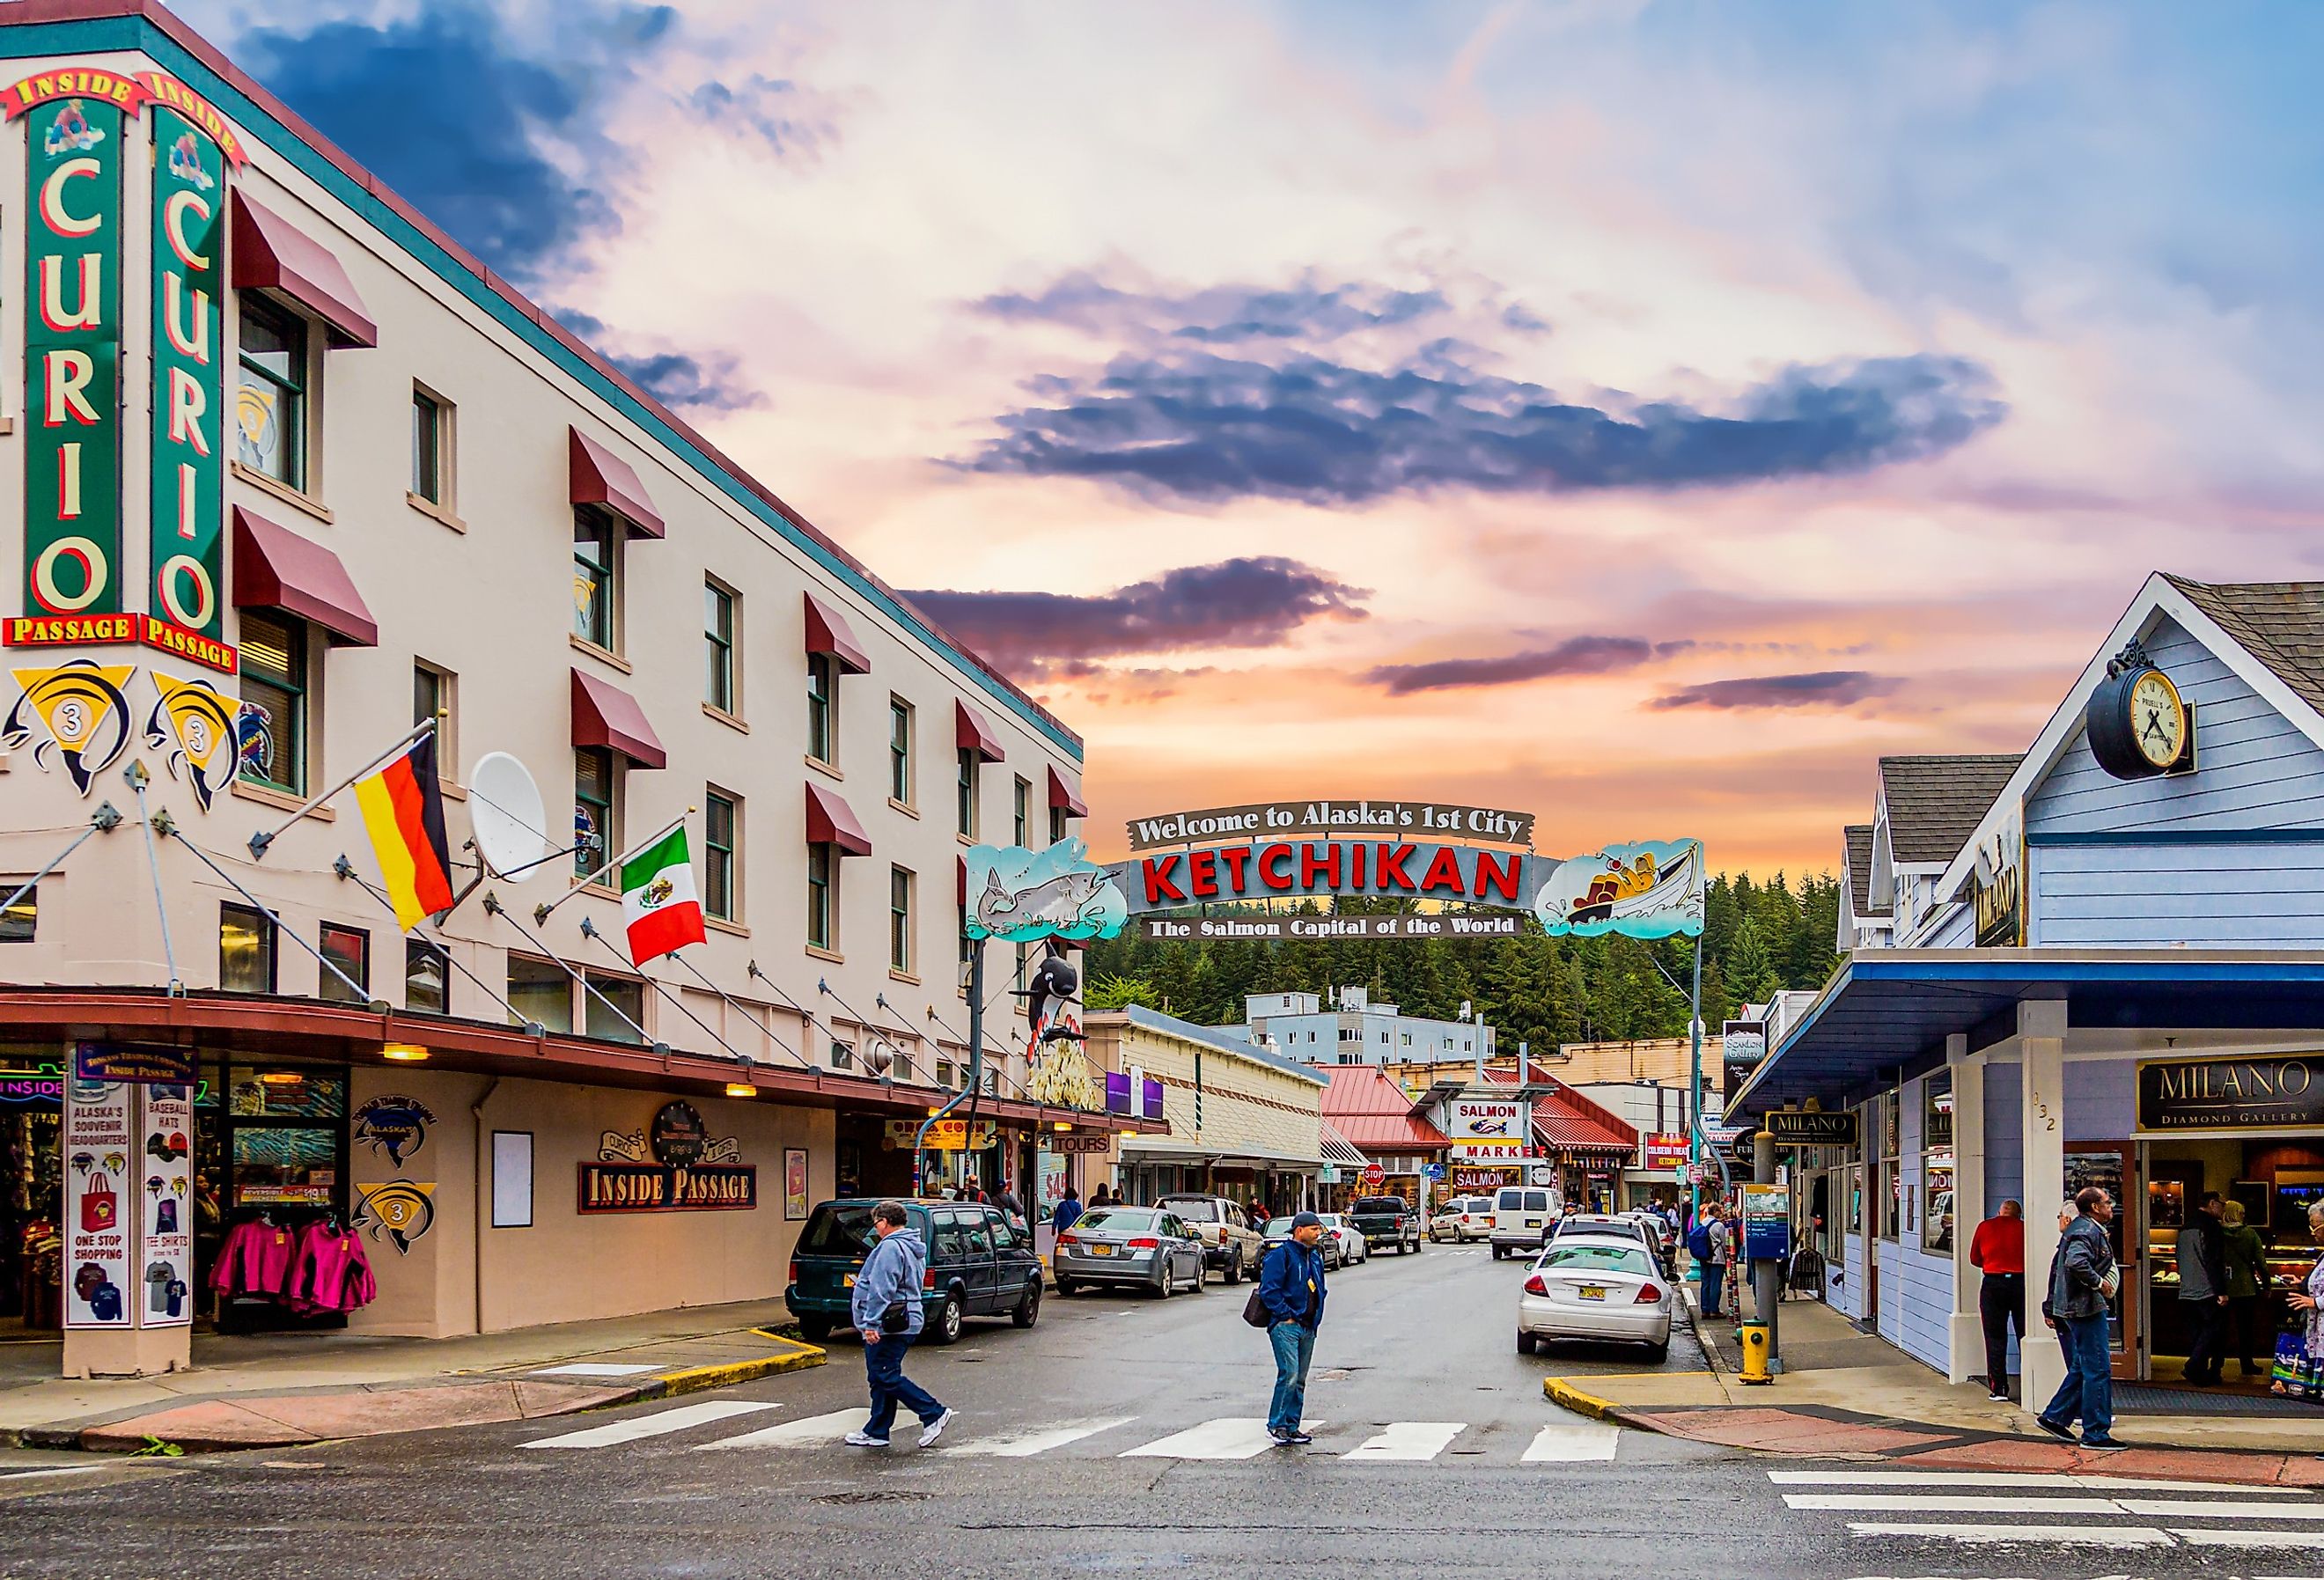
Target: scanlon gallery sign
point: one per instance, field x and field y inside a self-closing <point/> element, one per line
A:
<point x="1477" y="862"/>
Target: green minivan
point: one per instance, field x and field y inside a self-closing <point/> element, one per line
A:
<point x="980" y="1263"/>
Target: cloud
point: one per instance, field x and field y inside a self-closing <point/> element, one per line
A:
<point x="1224" y="314"/>
<point x="773" y="109"/>
<point x="1822" y="688"/>
<point x="672" y="377"/>
<point x="1196" y="426"/>
<point x="1576" y="655"/>
<point x="500" y="148"/>
<point x="1236" y="603"/>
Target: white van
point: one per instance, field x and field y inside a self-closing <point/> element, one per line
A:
<point x="1522" y="1214"/>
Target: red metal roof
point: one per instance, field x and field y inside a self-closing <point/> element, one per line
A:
<point x="1563" y="1120"/>
<point x="1375" y="1113"/>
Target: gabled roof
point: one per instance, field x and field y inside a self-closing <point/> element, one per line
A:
<point x="1860" y="898"/>
<point x="2278" y="623"/>
<point x="1565" y="1121"/>
<point x="1224" y="1040"/>
<point x="1374" y="1113"/>
<point x="1936" y="803"/>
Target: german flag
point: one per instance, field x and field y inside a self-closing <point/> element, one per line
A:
<point x="403" y="811"/>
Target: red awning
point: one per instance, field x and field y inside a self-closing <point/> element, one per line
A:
<point x="827" y="632"/>
<point x="272" y="253"/>
<point x="970" y="733"/>
<point x="602" y="477"/>
<point x="603" y="715"/>
<point x="830" y="820"/>
<point x="276" y="568"/>
<point x="1062" y="796"/>
<point x="960" y="896"/>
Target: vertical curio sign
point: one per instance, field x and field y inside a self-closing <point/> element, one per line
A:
<point x="188" y="375"/>
<point x="72" y="358"/>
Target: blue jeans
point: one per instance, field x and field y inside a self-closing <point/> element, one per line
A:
<point x="1294" y="1346"/>
<point x="2088" y="1390"/>
<point x="1714" y="1276"/>
<point x="884" y="1365"/>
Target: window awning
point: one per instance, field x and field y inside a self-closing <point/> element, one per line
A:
<point x="276" y="568"/>
<point x="972" y="733"/>
<point x="960" y="886"/>
<point x="1062" y="796"/>
<point x="828" y="632"/>
<point x="270" y="253"/>
<point x="830" y="820"/>
<point x="602" y="477"/>
<point x="603" y="715"/>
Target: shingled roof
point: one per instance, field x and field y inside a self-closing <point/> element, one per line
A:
<point x="1860" y="898"/>
<point x="2278" y="623"/>
<point x="1936" y="803"/>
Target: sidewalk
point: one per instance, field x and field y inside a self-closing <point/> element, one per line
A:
<point x="285" y="1389"/>
<point x="1844" y="1394"/>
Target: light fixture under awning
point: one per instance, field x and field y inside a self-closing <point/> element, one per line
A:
<point x="270" y="253"/>
<point x="599" y="476"/>
<point x="1062" y="796"/>
<point x="603" y="715"/>
<point x="276" y="568"/>
<point x="828" y="632"/>
<point x="830" y="820"/>
<point x="972" y="733"/>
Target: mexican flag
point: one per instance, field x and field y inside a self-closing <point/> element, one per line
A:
<point x="658" y="905"/>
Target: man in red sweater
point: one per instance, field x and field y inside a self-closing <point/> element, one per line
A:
<point x="1998" y="1250"/>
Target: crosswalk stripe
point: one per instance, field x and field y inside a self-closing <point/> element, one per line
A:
<point x="1896" y="1502"/>
<point x="1572" y="1441"/>
<point x="1966" y="1478"/>
<point x="1228" y="1437"/>
<point x="1409" y="1440"/>
<point x="829" y="1428"/>
<point x="2250" y="1538"/>
<point x="1025" y="1444"/>
<point x="2213" y="1509"/>
<point x="2115" y="1536"/>
<point x="650" y="1426"/>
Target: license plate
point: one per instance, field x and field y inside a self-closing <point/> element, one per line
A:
<point x="1100" y="1251"/>
<point x="1591" y="1291"/>
<point x="847" y="1281"/>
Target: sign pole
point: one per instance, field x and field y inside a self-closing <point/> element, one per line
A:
<point x="975" y="1064"/>
<point x="1694" y="1110"/>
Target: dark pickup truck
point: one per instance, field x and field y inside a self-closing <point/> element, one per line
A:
<point x="1386" y="1222"/>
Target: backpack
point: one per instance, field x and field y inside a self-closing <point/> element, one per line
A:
<point x="1698" y="1240"/>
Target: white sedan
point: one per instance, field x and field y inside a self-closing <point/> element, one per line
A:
<point x="1595" y="1288"/>
<point x="1344" y="1234"/>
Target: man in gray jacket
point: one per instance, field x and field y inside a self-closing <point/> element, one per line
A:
<point x="886" y="1308"/>
<point x="2083" y="1280"/>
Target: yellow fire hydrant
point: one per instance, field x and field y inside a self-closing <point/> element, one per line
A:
<point x="1755" y="1351"/>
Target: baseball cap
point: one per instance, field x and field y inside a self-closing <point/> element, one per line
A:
<point x="1307" y="1221"/>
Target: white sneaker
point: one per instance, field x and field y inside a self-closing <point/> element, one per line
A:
<point x="935" y="1429"/>
<point x="861" y="1439"/>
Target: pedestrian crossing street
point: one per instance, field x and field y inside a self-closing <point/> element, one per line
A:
<point x="711" y="1427"/>
<point x="2060" y="1512"/>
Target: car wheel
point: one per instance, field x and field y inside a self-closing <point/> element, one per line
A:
<point x="1202" y="1276"/>
<point x="815" y="1329"/>
<point x="1029" y="1309"/>
<point x="1525" y="1342"/>
<point x="1234" y="1268"/>
<point x="1659" y="1352"/>
<point x="1166" y="1286"/>
<point x="1497" y="1253"/>
<point x="945" y="1329"/>
<point x="1065" y="1287"/>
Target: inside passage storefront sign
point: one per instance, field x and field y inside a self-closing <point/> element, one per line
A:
<point x="2267" y="1092"/>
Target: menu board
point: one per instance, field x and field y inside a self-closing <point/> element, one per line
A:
<point x="165" y="1246"/>
<point x="99" y="1151"/>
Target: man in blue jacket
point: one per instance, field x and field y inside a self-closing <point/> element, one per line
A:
<point x="886" y="1309"/>
<point x="1291" y="1288"/>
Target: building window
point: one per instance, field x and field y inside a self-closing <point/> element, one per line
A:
<point x="594" y="829"/>
<point x="1056" y="824"/>
<point x="596" y="574"/>
<point x="823" y="707"/>
<point x="271" y="407"/>
<point x="822" y="928"/>
<point x="720" y="820"/>
<point x="1937" y="1163"/>
<point x="542" y="991"/>
<point x="246" y="949"/>
<point x="426" y="977"/>
<point x="843" y="1055"/>
<point x="431" y="447"/>
<point x="432" y="693"/>
<point x="1890" y="1202"/>
<point x="625" y="993"/>
<point x="900" y="919"/>
<point x="271" y="727"/>
<point x="971" y="769"/>
<point x="1021" y="814"/>
<point x="21" y="920"/>
<point x="944" y="1076"/>
<point x="900" y="751"/>
<point x="349" y="949"/>
<point x="718" y="648"/>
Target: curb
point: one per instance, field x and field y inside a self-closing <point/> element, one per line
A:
<point x="795" y="1356"/>
<point x="1561" y="1390"/>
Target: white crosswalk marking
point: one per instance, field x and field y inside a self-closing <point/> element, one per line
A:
<point x="1228" y="1437"/>
<point x="1572" y="1441"/>
<point x="1409" y="1440"/>
<point x="2113" y="1536"/>
<point x="1948" y="1503"/>
<point x="650" y="1426"/>
<point x="1997" y="1478"/>
<point x="2079" y="1510"/>
<point x="829" y="1428"/>
<point x="1039" y="1440"/>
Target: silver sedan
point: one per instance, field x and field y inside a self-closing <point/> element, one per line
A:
<point x="1141" y="1247"/>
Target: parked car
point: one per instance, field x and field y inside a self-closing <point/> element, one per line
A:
<point x="1521" y="1215"/>
<point x="979" y="1264"/>
<point x="1604" y="1225"/>
<point x="1335" y="1243"/>
<point x="1462" y="1218"/>
<point x="1340" y="1230"/>
<point x="1666" y="1238"/>
<point x="1589" y="1287"/>
<point x="1145" y="1247"/>
<point x="1230" y="1243"/>
<point x="1386" y="1222"/>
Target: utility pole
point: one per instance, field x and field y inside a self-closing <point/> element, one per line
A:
<point x="1694" y="1101"/>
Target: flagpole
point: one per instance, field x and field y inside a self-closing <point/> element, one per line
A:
<point x="364" y="996"/>
<point x="492" y="907"/>
<point x="540" y="912"/>
<point x="344" y="868"/>
<point x="590" y="929"/>
<point x="265" y="836"/>
<point x="732" y="1003"/>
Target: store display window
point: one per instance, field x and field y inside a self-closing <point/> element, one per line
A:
<point x="1937" y="1163"/>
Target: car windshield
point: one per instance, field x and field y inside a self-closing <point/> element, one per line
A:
<point x="837" y="1230"/>
<point x="1118" y="1218"/>
<point x="1333" y="1220"/>
<point x="1597" y="1258"/>
<point x="1194" y="1210"/>
<point x="1380" y="1204"/>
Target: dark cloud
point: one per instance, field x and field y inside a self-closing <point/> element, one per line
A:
<point x="1236" y="603"/>
<point x="771" y="108"/>
<point x="672" y="377"/>
<point x="1223" y="314"/>
<point x="499" y="147"/>
<point x="1193" y="425"/>
<point x="1576" y="655"/>
<point x="1822" y="688"/>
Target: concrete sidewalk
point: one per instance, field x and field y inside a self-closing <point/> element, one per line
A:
<point x="1844" y="1392"/>
<point x="279" y="1390"/>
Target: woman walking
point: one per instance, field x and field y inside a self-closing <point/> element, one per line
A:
<point x="2247" y="1278"/>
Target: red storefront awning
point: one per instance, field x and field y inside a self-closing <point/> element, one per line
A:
<point x="830" y="820"/>
<point x="603" y="715"/>
<point x="270" y="253"/>
<point x="972" y="733"/>
<point x="602" y="477"/>
<point x="276" y="568"/>
<point x="1062" y="796"/>
<point x="828" y="632"/>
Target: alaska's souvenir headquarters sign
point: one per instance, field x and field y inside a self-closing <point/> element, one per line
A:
<point x="2271" y="1092"/>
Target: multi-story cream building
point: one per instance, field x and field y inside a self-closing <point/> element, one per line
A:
<point x="432" y="500"/>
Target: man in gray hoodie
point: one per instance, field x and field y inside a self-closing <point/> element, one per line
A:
<point x="2083" y="1278"/>
<point x="886" y="1308"/>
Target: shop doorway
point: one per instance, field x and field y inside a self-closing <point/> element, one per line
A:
<point x="2113" y="1167"/>
<point x="2274" y="1180"/>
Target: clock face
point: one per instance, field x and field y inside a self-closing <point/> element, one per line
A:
<point x="2158" y="722"/>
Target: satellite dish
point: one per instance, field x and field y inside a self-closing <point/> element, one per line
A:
<point x="506" y="816"/>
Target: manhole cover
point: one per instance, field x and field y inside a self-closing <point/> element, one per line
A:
<point x="898" y="1495"/>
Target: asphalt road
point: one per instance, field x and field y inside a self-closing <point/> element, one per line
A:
<point x="1117" y="1437"/>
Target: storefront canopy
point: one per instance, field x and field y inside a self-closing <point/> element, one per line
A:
<point x="276" y="568"/>
<point x="603" y="715"/>
<point x="270" y="253"/>
<point x="828" y="633"/>
<point x="599" y="476"/>
<point x="1890" y="1011"/>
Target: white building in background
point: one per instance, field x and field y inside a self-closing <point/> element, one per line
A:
<point x="1347" y="1027"/>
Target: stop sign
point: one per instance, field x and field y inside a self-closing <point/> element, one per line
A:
<point x="1375" y="1175"/>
